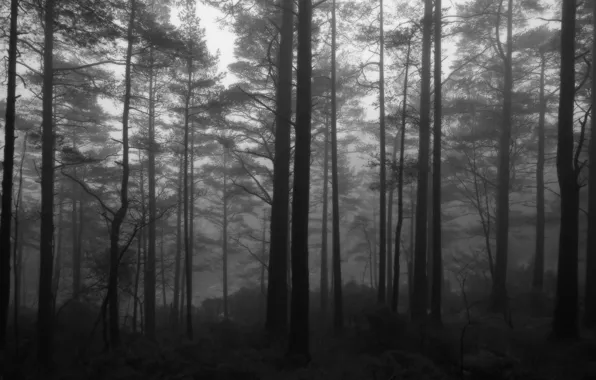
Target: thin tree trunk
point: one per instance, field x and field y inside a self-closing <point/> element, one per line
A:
<point x="163" y="273"/>
<point x="429" y="234"/>
<point x="143" y="233"/>
<point x="382" y="294"/>
<point x="324" y="285"/>
<point x="412" y="250"/>
<point x="188" y="257"/>
<point x="263" y="294"/>
<point x="136" y="286"/>
<point x="8" y="165"/>
<point x="538" y="279"/>
<point x="58" y="248"/>
<point x="183" y="294"/>
<point x="191" y="196"/>
<point x="338" y="309"/>
<point x="44" y="312"/>
<point x="277" y="288"/>
<point x="590" y="293"/>
<point x="176" y="304"/>
<point x="390" y="265"/>
<point x="419" y="301"/>
<point x="140" y="243"/>
<point x="400" y="192"/>
<point x="120" y="215"/>
<point x="299" y="321"/>
<point x="565" y="324"/>
<point x="375" y="262"/>
<point x="76" y="263"/>
<point x="224" y="238"/>
<point x="150" y="264"/>
<point x="18" y="247"/>
<point x="81" y="229"/>
<point x="499" y="292"/>
<point x="437" y="257"/>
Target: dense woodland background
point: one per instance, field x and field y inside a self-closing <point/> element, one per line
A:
<point x="369" y="190"/>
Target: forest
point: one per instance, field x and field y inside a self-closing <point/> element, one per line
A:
<point x="298" y="189"/>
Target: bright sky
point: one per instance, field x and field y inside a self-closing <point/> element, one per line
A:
<point x="218" y="39"/>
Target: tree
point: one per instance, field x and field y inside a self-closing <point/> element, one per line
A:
<point x="337" y="282"/>
<point x="538" y="277"/>
<point x="45" y="303"/>
<point x="590" y="293"/>
<point x="277" y="288"/>
<point x="437" y="258"/>
<point x="400" y="183"/>
<point x="324" y="287"/>
<point x="565" y="324"/>
<point x="381" y="294"/>
<point x="120" y="214"/>
<point x="499" y="292"/>
<point x="299" y="324"/>
<point x="419" y="300"/>
<point x="8" y="165"/>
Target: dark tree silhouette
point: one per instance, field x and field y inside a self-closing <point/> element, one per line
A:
<point x="45" y="303"/>
<point x="419" y="296"/>
<point x="565" y="324"/>
<point x="299" y="324"/>
<point x="590" y="294"/>
<point x="338" y="309"/>
<point x="437" y="258"/>
<point x="499" y="292"/>
<point x="277" y="290"/>
<point x="8" y="164"/>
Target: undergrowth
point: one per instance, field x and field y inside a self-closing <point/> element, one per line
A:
<point x="376" y="345"/>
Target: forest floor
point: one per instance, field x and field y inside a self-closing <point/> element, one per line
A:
<point x="379" y="346"/>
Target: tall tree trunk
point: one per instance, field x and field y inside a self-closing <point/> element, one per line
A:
<point x="140" y="243"/>
<point x="136" y="284"/>
<point x="224" y="238"/>
<point x="429" y="233"/>
<point x="188" y="257"/>
<point x="163" y="272"/>
<point x="338" y="309"/>
<point x="120" y="215"/>
<point x="375" y="262"/>
<point x="538" y="279"/>
<point x="150" y="272"/>
<point x="81" y="230"/>
<point x="263" y="295"/>
<point x="45" y="311"/>
<point x="437" y="257"/>
<point x="76" y="251"/>
<point x="176" y="304"/>
<point x="565" y="324"/>
<point x="419" y="300"/>
<point x="390" y="265"/>
<point x="382" y="294"/>
<point x="9" y="138"/>
<point x="499" y="291"/>
<point x="324" y="286"/>
<point x="143" y="233"/>
<point x="400" y="191"/>
<point x="58" y="248"/>
<point x="191" y="198"/>
<point x="412" y="249"/>
<point x="18" y="247"/>
<point x="299" y="326"/>
<point x="183" y="294"/>
<point x="590" y="294"/>
<point x="277" y="289"/>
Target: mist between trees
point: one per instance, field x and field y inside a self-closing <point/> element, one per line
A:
<point x="408" y="181"/>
